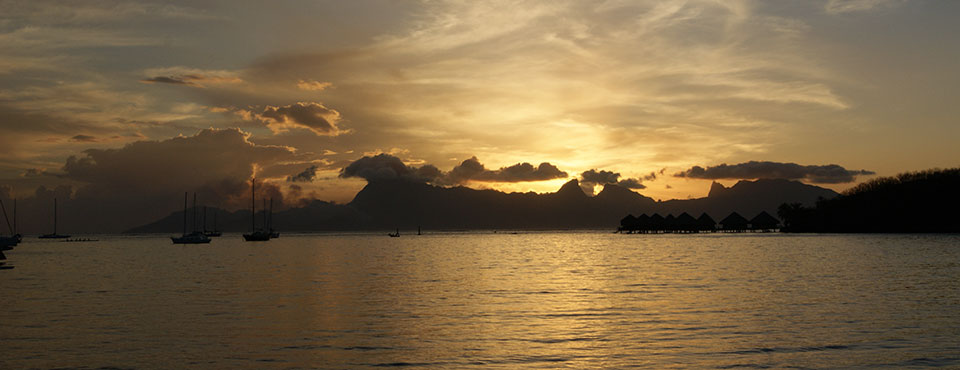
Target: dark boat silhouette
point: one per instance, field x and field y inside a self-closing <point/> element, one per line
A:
<point x="8" y="242"/>
<point x="195" y="237"/>
<point x="3" y="257"/>
<point x="394" y="235"/>
<point x="214" y="233"/>
<point x="54" y="235"/>
<point x="255" y="235"/>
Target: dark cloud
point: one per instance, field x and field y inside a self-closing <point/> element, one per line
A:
<point x="115" y="189"/>
<point x="308" y="115"/>
<point x="199" y="79"/>
<point x="176" y="80"/>
<point x="84" y="138"/>
<point x="599" y="177"/>
<point x="591" y="178"/>
<point x="378" y="168"/>
<point x="472" y="170"/>
<point x="826" y="174"/>
<point x="308" y="175"/>
<point x="631" y="184"/>
<point x="388" y="167"/>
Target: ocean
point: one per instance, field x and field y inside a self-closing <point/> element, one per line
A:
<point x="583" y="299"/>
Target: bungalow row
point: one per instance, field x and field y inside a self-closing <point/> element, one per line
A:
<point x="685" y="223"/>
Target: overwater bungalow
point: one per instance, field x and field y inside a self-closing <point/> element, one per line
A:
<point x="669" y="223"/>
<point x="685" y="223"/>
<point x="643" y="223"/>
<point x="628" y="224"/>
<point x="656" y="223"/>
<point x="706" y="223"/>
<point x="764" y="222"/>
<point x="734" y="223"/>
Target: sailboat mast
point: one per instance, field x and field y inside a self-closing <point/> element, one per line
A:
<point x="194" y="212"/>
<point x="253" y="205"/>
<point x="5" y="218"/>
<point x="14" y="216"/>
<point x="54" y="216"/>
<point x="270" y="220"/>
<point x="264" y="214"/>
<point x="185" y="213"/>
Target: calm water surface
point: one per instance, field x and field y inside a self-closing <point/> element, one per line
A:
<point x="471" y="300"/>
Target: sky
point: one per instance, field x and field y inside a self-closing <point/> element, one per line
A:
<point x="135" y="102"/>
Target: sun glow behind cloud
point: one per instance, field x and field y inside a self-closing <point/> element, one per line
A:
<point x="626" y="86"/>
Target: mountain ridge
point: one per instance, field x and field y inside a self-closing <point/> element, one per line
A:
<point x="389" y="204"/>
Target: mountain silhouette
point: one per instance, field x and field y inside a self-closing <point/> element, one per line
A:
<point x="404" y="204"/>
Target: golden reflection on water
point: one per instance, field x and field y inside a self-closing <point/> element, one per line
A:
<point x="576" y="300"/>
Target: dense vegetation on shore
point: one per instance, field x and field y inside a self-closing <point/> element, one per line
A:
<point x="925" y="201"/>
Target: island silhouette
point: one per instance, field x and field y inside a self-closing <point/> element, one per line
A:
<point x="408" y="205"/>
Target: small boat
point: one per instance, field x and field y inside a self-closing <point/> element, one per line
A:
<point x="255" y="235"/>
<point x="195" y="237"/>
<point x="8" y="242"/>
<point x="394" y="235"/>
<point x="54" y="234"/>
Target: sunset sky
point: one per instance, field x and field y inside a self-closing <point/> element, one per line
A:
<point x="153" y="99"/>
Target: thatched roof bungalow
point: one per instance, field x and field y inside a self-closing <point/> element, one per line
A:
<point x="685" y="222"/>
<point x="706" y="223"/>
<point x="628" y="224"/>
<point x="734" y="222"/>
<point x="669" y="222"/>
<point x="656" y="222"/>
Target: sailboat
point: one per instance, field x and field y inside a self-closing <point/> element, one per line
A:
<point x="194" y="237"/>
<point x="8" y="242"/>
<point x="394" y="235"/>
<point x="54" y="235"/>
<point x="255" y="235"/>
<point x="215" y="232"/>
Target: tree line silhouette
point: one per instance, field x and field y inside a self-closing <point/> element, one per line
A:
<point x="912" y="202"/>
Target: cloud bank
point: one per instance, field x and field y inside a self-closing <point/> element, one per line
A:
<point x="306" y="115"/>
<point x="591" y="178"/>
<point x="388" y="167"/>
<point x="825" y="174"/>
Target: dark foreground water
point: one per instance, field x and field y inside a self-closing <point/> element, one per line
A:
<point x="540" y="300"/>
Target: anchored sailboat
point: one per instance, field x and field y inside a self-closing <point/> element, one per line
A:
<point x="255" y="235"/>
<point x="54" y="235"/>
<point x="194" y="237"/>
<point x="8" y="242"/>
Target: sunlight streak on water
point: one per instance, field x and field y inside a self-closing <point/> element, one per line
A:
<point x="537" y="300"/>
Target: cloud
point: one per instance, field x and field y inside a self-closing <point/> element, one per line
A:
<point x="84" y="138"/>
<point x="853" y="6"/>
<point x="589" y="179"/>
<point x="825" y="174"/>
<point x="308" y="175"/>
<point x="388" y="167"/>
<point x="117" y="188"/>
<point x="379" y="168"/>
<point x="190" y="76"/>
<point x="307" y="115"/>
<point x="312" y="85"/>
<point x="472" y="170"/>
